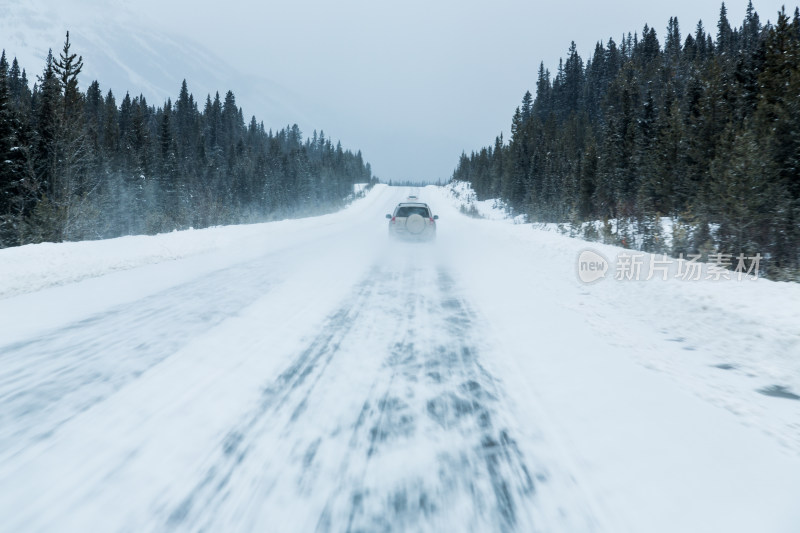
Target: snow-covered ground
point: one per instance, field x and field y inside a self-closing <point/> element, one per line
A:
<point x="464" y="198"/>
<point x="607" y="231"/>
<point x="310" y="375"/>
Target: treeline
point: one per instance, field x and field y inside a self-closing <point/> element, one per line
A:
<point x="705" y="130"/>
<point x="78" y="165"/>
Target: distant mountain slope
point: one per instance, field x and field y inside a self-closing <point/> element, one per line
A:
<point x="126" y="51"/>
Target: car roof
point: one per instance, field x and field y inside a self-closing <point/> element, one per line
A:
<point x="421" y="204"/>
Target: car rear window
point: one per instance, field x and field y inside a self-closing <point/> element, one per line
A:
<point x="408" y="210"/>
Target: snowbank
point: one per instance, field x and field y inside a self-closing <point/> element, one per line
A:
<point x="33" y="267"/>
<point x="464" y="198"/>
<point x="734" y="343"/>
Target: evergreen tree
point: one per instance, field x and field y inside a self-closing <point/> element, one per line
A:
<point x="9" y="170"/>
<point x="724" y="32"/>
<point x="527" y="101"/>
<point x="47" y="181"/>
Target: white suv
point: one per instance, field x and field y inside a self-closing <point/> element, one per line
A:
<point x="413" y="221"/>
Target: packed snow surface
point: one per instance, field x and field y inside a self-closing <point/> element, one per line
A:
<point x="311" y="375"/>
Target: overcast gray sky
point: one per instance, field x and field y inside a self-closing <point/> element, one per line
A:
<point x="412" y="83"/>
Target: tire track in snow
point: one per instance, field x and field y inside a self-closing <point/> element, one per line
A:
<point x="437" y="389"/>
<point x="421" y="442"/>
<point x="294" y="385"/>
<point x="46" y="381"/>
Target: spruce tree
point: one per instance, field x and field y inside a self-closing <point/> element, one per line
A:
<point x="8" y="145"/>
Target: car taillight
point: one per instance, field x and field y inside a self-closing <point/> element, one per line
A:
<point x="393" y="220"/>
<point x="432" y="222"/>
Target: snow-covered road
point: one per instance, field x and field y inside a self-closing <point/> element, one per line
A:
<point x="310" y="375"/>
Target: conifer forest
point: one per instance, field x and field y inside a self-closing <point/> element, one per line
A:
<point x="77" y="165"/>
<point x="702" y="129"/>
